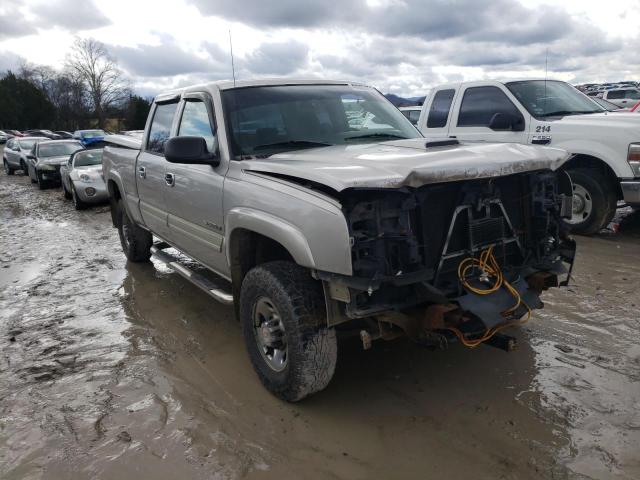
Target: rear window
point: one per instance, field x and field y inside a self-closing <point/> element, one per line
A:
<point x="439" y="111"/>
<point x="161" y="127"/>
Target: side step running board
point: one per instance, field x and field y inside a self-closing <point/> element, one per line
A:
<point x="198" y="280"/>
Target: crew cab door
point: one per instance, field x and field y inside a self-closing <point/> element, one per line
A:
<point x="150" y="169"/>
<point x="478" y="107"/>
<point x="194" y="192"/>
<point x="435" y="117"/>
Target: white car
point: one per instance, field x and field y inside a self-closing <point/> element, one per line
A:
<point x="82" y="179"/>
<point x="605" y="167"/>
<point x="412" y="113"/>
<point x="623" y="97"/>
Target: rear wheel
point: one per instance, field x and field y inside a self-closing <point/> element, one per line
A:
<point x="136" y="242"/>
<point x="594" y="201"/>
<point x="283" y="319"/>
<point x="7" y="168"/>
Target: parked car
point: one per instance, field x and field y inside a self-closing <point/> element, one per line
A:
<point x="64" y="134"/>
<point x="4" y="137"/>
<point x="15" y="133"/>
<point x="605" y="167"/>
<point x="15" y="153"/>
<point x="312" y="220"/>
<point x="45" y="159"/>
<point x="82" y="179"/>
<point x="412" y="113"/>
<point x="44" y="133"/>
<point x="608" y="106"/>
<point x="89" y="137"/>
<point x="623" y="97"/>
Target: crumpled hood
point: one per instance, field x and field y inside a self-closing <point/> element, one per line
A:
<point x="407" y="163"/>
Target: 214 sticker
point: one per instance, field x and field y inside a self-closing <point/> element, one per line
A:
<point x="543" y="128"/>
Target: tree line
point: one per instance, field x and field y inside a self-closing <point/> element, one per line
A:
<point x="91" y="91"/>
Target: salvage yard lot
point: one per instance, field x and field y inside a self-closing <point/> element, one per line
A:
<point x="109" y="368"/>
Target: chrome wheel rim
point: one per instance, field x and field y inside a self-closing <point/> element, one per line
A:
<point x="582" y="204"/>
<point x="268" y="330"/>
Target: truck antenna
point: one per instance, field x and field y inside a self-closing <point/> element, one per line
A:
<point x="233" y="68"/>
<point x="546" y="70"/>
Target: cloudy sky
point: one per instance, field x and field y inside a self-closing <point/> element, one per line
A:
<point x="400" y="46"/>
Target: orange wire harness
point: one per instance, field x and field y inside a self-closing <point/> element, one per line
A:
<point x="491" y="270"/>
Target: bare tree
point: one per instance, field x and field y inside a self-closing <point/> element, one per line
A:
<point x="90" y="61"/>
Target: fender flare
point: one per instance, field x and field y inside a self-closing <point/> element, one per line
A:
<point x="275" y="228"/>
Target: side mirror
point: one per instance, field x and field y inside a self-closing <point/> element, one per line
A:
<point x="189" y="150"/>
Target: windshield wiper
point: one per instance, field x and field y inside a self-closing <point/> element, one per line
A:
<point x="569" y="112"/>
<point x="292" y="143"/>
<point x="375" y="135"/>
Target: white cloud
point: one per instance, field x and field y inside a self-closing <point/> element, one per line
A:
<point x="402" y="46"/>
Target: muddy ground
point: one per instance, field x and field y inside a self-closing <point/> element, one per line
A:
<point x="111" y="370"/>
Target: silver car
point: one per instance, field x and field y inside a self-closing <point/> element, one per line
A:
<point x="82" y="178"/>
<point x="45" y="159"/>
<point x="16" y="151"/>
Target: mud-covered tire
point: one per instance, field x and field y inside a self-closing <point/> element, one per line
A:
<point x="7" y="168"/>
<point x="66" y="192"/>
<point x="23" y="167"/>
<point x="136" y="242"/>
<point x="311" y="347"/>
<point x="42" y="184"/>
<point x="602" y="196"/>
<point x="78" y="204"/>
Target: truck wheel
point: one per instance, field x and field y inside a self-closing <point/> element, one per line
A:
<point x="7" y="168"/>
<point x="136" y="242"/>
<point x="594" y="202"/>
<point x="283" y="318"/>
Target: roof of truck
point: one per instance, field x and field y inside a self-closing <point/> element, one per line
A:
<point x="230" y="84"/>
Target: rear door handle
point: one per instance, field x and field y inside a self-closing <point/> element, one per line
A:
<point x="170" y="179"/>
<point x="142" y="171"/>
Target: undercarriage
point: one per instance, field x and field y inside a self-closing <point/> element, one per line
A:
<point x="458" y="261"/>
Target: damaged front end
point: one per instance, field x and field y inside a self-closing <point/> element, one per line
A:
<point x="457" y="261"/>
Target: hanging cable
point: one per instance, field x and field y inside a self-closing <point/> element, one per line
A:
<point x="491" y="273"/>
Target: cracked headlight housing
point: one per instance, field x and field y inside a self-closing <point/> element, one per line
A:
<point x="633" y="158"/>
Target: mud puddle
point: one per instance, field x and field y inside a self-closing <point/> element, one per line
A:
<point x="110" y="370"/>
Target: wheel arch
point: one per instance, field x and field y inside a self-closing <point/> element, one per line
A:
<point x="584" y="161"/>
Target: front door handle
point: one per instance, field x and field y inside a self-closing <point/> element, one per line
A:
<point x="142" y="171"/>
<point x="170" y="179"/>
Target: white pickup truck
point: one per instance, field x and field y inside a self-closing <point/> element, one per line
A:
<point x="605" y="167"/>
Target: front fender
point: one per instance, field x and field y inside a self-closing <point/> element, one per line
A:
<point x="615" y="159"/>
<point x="283" y="232"/>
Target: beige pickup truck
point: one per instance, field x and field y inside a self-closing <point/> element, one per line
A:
<point x="316" y="207"/>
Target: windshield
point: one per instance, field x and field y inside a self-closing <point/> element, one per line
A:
<point x="88" y="158"/>
<point x="57" y="149"/>
<point x="263" y="121"/>
<point x="93" y="134"/>
<point x="28" y="144"/>
<point x="547" y="98"/>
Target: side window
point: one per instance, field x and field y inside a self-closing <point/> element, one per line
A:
<point x="414" y="115"/>
<point x="480" y="104"/>
<point x="615" y="94"/>
<point x="161" y="127"/>
<point x="632" y="94"/>
<point x="10" y="144"/>
<point x="195" y="122"/>
<point x="439" y="111"/>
